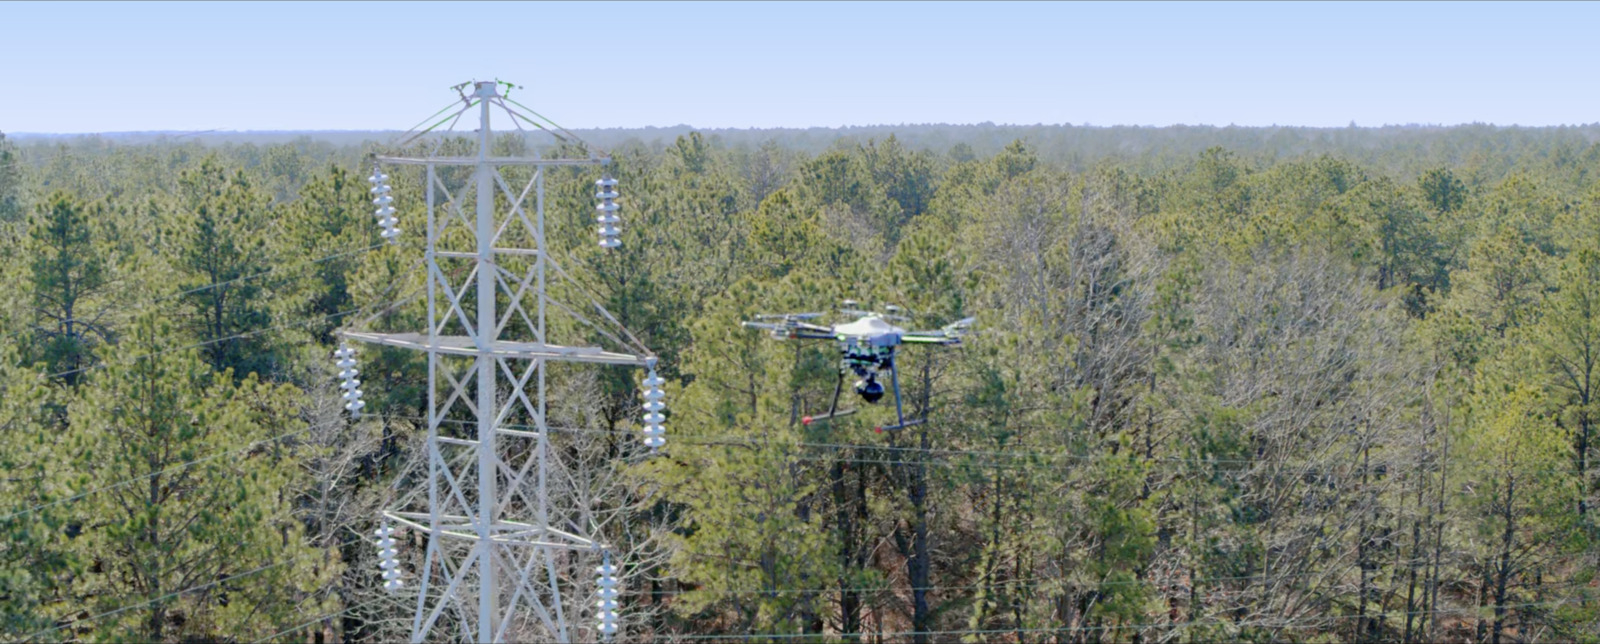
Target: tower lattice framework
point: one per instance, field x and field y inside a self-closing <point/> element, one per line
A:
<point x="499" y="549"/>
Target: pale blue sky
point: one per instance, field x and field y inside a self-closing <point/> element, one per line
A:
<point x="91" y="67"/>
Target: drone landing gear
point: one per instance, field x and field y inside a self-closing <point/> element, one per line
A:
<point x="899" y="410"/>
<point x="833" y="409"/>
<point x="807" y="420"/>
<point x="900" y="426"/>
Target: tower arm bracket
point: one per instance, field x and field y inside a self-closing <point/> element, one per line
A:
<point x="462" y="345"/>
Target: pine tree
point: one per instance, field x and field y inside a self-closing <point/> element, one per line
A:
<point x="930" y="277"/>
<point x="331" y="217"/>
<point x="1569" y="341"/>
<point x="905" y="177"/>
<point x="222" y="253"/>
<point x="187" y="526"/>
<point x="751" y="505"/>
<point x="1520" y="492"/>
<point x="32" y="562"/>
<point x="783" y="237"/>
<point x="68" y="274"/>
<point x="11" y="208"/>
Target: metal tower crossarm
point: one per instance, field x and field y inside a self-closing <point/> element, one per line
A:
<point x="466" y="346"/>
<point x="498" y="161"/>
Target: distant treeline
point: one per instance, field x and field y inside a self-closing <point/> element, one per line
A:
<point x="1406" y="149"/>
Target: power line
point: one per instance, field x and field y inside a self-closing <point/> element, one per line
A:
<point x="595" y="302"/>
<point x="177" y="593"/>
<point x="996" y="584"/>
<point x="754" y="591"/>
<point x="1211" y="622"/>
<point x="1168" y="625"/>
<point x="276" y="269"/>
<point x="424" y="121"/>
<point x="296" y="266"/>
<point x="322" y="618"/>
<point x="1039" y="459"/>
<point x="180" y="466"/>
<point x="390" y="304"/>
<point x="237" y="336"/>
<point x="123" y="609"/>
<point x="456" y="116"/>
<point x="1194" y="581"/>
<point x="547" y="120"/>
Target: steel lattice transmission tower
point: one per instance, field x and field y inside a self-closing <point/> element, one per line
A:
<point x="499" y="547"/>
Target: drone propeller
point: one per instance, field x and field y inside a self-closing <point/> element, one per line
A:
<point x="890" y="312"/>
<point x="959" y="327"/>
<point x="787" y="316"/>
<point x="896" y="313"/>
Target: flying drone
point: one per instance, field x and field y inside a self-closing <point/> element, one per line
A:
<point x="867" y="349"/>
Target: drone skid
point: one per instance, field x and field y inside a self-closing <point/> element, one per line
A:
<point x="900" y="426"/>
<point x="497" y="544"/>
<point x="825" y="417"/>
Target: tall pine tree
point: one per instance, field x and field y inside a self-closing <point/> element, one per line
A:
<point x="186" y="526"/>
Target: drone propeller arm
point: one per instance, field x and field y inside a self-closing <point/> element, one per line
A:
<point x="948" y="334"/>
<point x="929" y="337"/>
<point x="800" y="330"/>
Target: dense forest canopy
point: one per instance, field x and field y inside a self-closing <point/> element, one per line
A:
<point x="1259" y="384"/>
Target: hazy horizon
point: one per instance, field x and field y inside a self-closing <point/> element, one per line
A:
<point x="18" y="135"/>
